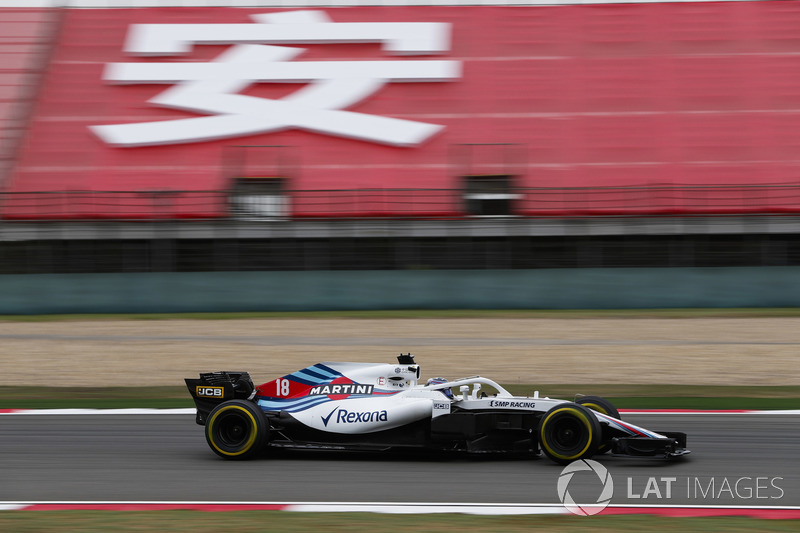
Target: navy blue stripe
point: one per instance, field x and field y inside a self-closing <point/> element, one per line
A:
<point x="333" y="373"/>
<point x="270" y="405"/>
<point x="310" y="371"/>
<point x="298" y="379"/>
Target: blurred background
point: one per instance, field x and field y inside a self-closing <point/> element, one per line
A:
<point x="573" y="155"/>
<point x="589" y="156"/>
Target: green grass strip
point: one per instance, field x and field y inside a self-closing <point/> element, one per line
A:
<point x="268" y="521"/>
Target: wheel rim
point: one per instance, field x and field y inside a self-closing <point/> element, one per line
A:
<point x="233" y="430"/>
<point x="567" y="434"/>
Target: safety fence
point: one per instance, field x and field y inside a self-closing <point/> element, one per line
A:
<point x="555" y="202"/>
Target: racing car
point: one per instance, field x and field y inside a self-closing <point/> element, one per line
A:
<point x="382" y="407"/>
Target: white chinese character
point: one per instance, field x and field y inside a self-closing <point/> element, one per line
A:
<point x="213" y="88"/>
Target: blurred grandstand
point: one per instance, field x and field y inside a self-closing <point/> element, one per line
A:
<point x="612" y="135"/>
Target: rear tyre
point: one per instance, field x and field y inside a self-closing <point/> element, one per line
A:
<point x="601" y="405"/>
<point x="569" y="432"/>
<point x="236" y="429"/>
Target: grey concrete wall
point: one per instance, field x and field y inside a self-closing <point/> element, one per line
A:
<point x="596" y="288"/>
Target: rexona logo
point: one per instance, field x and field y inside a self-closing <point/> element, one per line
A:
<point x="344" y="388"/>
<point x="209" y="392"/>
<point x="343" y="416"/>
<point x="214" y="89"/>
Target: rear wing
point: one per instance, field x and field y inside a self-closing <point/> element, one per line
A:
<point x="213" y="388"/>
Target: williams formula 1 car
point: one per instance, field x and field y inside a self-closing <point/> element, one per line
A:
<point x="373" y="407"/>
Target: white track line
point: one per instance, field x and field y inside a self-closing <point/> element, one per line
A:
<point x="100" y="4"/>
<point x="780" y="511"/>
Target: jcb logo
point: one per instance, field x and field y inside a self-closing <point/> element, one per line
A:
<point x="209" y="392"/>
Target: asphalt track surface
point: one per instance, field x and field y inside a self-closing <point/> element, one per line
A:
<point x="165" y="458"/>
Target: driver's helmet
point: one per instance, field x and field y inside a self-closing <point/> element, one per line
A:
<point x="437" y="381"/>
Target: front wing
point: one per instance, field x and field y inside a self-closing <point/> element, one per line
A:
<point x="672" y="444"/>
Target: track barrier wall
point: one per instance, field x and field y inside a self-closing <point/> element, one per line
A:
<point x="586" y="288"/>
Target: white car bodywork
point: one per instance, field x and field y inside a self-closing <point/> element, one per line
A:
<point x="365" y="406"/>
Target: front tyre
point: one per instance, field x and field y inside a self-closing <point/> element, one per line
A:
<point x="601" y="405"/>
<point x="236" y="429"/>
<point x="569" y="432"/>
